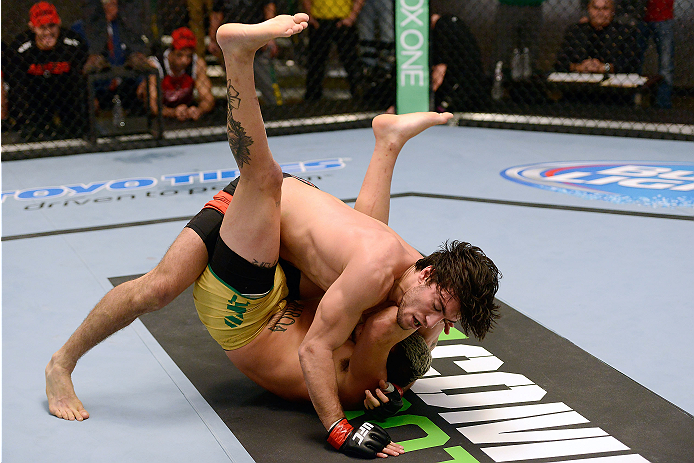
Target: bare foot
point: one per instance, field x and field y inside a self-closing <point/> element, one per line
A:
<point x="247" y="38"/>
<point x="395" y="130"/>
<point x="62" y="400"/>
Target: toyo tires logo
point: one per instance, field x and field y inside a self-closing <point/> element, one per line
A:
<point x="657" y="184"/>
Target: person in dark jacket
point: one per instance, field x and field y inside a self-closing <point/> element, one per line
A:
<point x="599" y="45"/>
<point x="457" y="75"/>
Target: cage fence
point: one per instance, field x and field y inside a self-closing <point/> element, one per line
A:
<point x="100" y="75"/>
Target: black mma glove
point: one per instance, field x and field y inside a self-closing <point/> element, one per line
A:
<point x="387" y="409"/>
<point x="363" y="442"/>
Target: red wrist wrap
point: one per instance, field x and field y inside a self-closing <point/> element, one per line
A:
<point x="399" y="389"/>
<point x="339" y="433"/>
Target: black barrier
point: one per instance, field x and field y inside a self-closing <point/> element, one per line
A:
<point x="597" y="67"/>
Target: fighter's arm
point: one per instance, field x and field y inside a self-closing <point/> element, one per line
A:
<point x="360" y="286"/>
<point x="367" y="365"/>
<point x="431" y="334"/>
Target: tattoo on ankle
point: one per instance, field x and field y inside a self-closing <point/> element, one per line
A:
<point x="238" y="140"/>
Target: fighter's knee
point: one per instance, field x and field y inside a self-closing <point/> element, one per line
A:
<point x="275" y="178"/>
<point x="160" y="294"/>
<point x="268" y="179"/>
<point x="149" y="294"/>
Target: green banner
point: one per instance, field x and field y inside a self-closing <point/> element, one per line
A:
<point x="412" y="55"/>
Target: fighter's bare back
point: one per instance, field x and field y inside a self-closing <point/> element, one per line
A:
<point x="337" y="236"/>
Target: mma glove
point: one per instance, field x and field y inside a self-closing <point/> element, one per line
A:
<point x="387" y="409"/>
<point x="364" y="442"/>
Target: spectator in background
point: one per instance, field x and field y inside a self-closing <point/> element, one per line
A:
<point x="626" y="12"/>
<point x="113" y="41"/>
<point x="517" y="29"/>
<point x="599" y="45"/>
<point x="249" y="12"/>
<point x="376" y="27"/>
<point x="332" y="22"/>
<point x="658" y="23"/>
<point x="42" y="71"/>
<point x="3" y="88"/>
<point x="181" y="72"/>
<point x="457" y="77"/>
<point x="115" y="31"/>
<point x="196" y="22"/>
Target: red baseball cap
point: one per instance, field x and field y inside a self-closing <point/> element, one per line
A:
<point x="43" y="13"/>
<point x="183" y="38"/>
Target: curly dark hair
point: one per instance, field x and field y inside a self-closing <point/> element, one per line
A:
<point x="467" y="274"/>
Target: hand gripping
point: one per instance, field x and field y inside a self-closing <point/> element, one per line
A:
<point x="387" y="409"/>
<point x="363" y="442"/>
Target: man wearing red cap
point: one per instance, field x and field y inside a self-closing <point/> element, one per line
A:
<point x="43" y="72"/>
<point x="181" y="72"/>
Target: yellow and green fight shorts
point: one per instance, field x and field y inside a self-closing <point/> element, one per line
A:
<point x="234" y="319"/>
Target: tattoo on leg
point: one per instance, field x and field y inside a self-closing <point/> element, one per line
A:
<point x="238" y="140"/>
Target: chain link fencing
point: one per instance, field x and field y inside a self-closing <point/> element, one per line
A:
<point x="598" y="66"/>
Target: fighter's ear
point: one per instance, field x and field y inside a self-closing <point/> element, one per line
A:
<point x="425" y="274"/>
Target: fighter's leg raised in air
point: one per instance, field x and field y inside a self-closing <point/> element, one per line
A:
<point x="179" y="268"/>
<point x="259" y="191"/>
<point x="391" y="133"/>
<point x="251" y="226"/>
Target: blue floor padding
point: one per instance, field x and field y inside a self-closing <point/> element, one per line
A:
<point x="617" y="286"/>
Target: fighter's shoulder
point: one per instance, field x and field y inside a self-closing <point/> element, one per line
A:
<point x="379" y="245"/>
<point x="391" y="246"/>
<point x="383" y="259"/>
